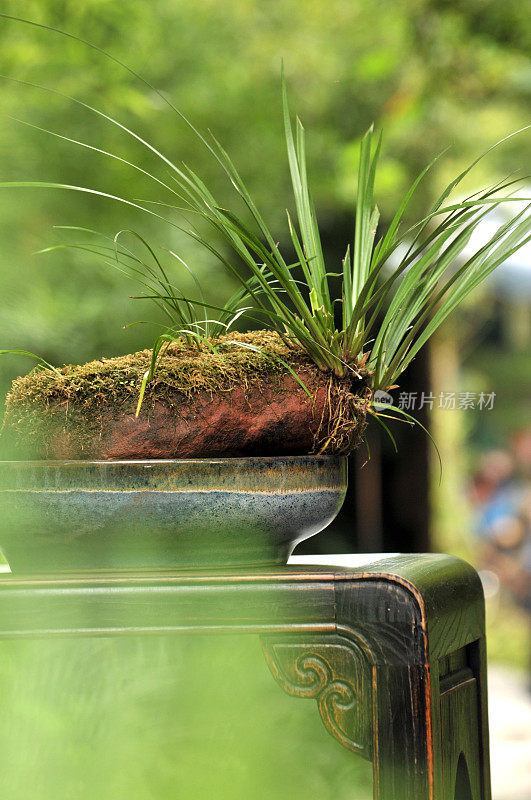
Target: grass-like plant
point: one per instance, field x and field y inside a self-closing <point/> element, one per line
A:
<point x="417" y="295"/>
<point x="191" y="320"/>
<point x="397" y="285"/>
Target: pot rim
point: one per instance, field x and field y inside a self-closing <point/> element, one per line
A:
<point x="241" y="475"/>
<point x="324" y="458"/>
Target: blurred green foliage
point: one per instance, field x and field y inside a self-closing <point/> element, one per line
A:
<point x="432" y="73"/>
<point x="155" y="717"/>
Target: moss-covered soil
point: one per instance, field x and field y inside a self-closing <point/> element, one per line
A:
<point x="81" y="397"/>
<point x="214" y="365"/>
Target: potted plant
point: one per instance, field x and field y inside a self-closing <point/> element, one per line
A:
<point x="217" y="446"/>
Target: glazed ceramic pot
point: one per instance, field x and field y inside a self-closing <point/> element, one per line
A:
<point x="63" y="515"/>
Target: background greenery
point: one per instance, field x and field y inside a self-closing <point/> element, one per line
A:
<point x="160" y="717"/>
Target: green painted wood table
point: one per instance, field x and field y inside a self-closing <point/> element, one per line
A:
<point x="392" y="651"/>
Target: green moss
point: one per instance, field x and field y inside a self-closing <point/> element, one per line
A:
<point x="215" y="365"/>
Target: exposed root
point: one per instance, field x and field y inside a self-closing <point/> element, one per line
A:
<point x="343" y="418"/>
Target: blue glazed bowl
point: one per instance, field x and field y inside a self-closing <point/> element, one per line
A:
<point x="63" y="515"/>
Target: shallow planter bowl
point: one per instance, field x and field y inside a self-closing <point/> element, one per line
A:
<point x="59" y="515"/>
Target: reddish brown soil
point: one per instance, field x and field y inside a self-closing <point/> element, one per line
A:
<point x="274" y="418"/>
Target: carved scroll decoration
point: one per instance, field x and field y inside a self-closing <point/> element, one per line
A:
<point x="334" y="674"/>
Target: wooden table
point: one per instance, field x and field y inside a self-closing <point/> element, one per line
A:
<point x="392" y="651"/>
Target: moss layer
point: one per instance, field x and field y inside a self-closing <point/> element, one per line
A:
<point x="215" y="365"/>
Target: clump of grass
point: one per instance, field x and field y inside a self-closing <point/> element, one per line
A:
<point x="381" y="318"/>
<point x="186" y="323"/>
